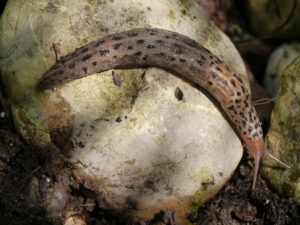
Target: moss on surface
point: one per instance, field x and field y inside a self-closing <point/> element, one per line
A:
<point x="283" y="138"/>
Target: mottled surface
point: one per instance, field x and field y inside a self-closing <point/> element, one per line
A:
<point x="283" y="137"/>
<point x="168" y="50"/>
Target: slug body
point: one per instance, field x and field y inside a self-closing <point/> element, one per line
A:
<point x="178" y="54"/>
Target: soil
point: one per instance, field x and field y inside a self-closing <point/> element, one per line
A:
<point x="234" y="204"/>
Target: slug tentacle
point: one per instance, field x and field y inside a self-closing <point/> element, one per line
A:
<point x="256" y="150"/>
<point x="269" y="155"/>
<point x="178" y="54"/>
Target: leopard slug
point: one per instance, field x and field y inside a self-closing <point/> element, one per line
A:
<point x="178" y="54"/>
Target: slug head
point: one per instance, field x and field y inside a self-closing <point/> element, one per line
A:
<point x="256" y="149"/>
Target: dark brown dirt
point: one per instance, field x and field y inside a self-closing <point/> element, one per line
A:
<point x="234" y="204"/>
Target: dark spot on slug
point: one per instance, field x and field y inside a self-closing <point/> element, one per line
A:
<point x="130" y="47"/>
<point x="250" y="116"/>
<point x="162" y="54"/>
<point x="203" y="58"/>
<point x="72" y="65"/>
<point x="175" y="36"/>
<point x="210" y="83"/>
<point x="133" y="34"/>
<point x="211" y="64"/>
<point x="243" y="89"/>
<point x="178" y="94"/>
<point x="255" y="134"/>
<point x="84" y="70"/>
<point x="86" y="57"/>
<point x="145" y="57"/>
<point x="246" y="104"/>
<point x="233" y="83"/>
<point x="137" y="54"/>
<point x="117" y="46"/>
<point x="118" y="119"/>
<point x="167" y="36"/>
<point x="238" y="93"/>
<point x="191" y="43"/>
<point x="200" y="62"/>
<point x="159" y="41"/>
<point x="103" y="52"/>
<point x="182" y="60"/>
<point x="250" y="129"/>
<point x="178" y="49"/>
<point x="94" y="63"/>
<point x="237" y="101"/>
<point x="237" y="77"/>
<point x="214" y="75"/>
<point x="219" y="69"/>
<point x="117" y="38"/>
<point x="139" y="42"/>
<point x="84" y="50"/>
<point x="244" y="122"/>
<point x="172" y="59"/>
<point x="218" y="60"/>
<point x="152" y="31"/>
<point x="99" y="43"/>
<point x="115" y="56"/>
<point x="230" y="107"/>
<point x="256" y="126"/>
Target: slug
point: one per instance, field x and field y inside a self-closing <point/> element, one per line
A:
<point x="176" y="53"/>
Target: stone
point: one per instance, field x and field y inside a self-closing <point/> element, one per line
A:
<point x="283" y="138"/>
<point x="266" y="17"/>
<point x="280" y="58"/>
